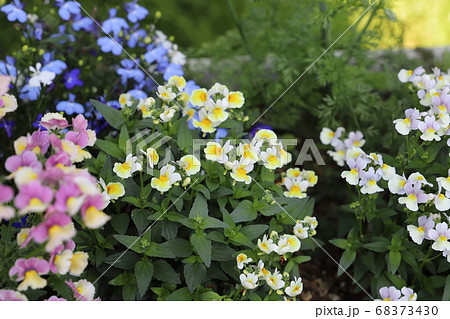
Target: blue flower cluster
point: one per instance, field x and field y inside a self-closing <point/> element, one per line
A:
<point x="56" y="71"/>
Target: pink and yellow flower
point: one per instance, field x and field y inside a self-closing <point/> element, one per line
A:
<point x="28" y="271"/>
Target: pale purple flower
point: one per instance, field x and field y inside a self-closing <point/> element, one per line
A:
<point x="25" y="159"/>
<point x="415" y="196"/>
<point x="408" y="294"/>
<point x="440" y="235"/>
<point x="355" y="139"/>
<point x="419" y="233"/>
<point x="28" y="271"/>
<point x="11" y="295"/>
<point x="369" y="181"/>
<point x="390" y="293"/>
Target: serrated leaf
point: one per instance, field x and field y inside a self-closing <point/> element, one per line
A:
<point x="203" y="247"/>
<point x="144" y="273"/>
<point x="194" y="275"/>
<point x="163" y="271"/>
<point x="157" y="250"/>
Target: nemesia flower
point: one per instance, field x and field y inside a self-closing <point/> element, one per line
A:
<point x="369" y="181"/>
<point x="24" y="176"/>
<point x="125" y="99"/>
<point x="11" y="295"/>
<point x="270" y="158"/>
<point x="310" y="177"/>
<point x="235" y="99"/>
<point x="56" y="229"/>
<point x="390" y="293"/>
<point x="152" y="156"/>
<point x="249" y="281"/>
<point x="441" y="202"/>
<point x="266" y="245"/>
<point x="112" y="191"/>
<point x="240" y="169"/>
<point x="429" y="128"/>
<point x="215" y="152"/>
<point x="295" y="288"/>
<point x="312" y="221"/>
<point x="355" y="139"/>
<point x="266" y="135"/>
<point x="300" y="231"/>
<point x="204" y="123"/>
<point x="217" y="110"/>
<point x="91" y="213"/>
<point x="415" y="196"/>
<point x="263" y="272"/>
<point x="165" y="93"/>
<point x="52" y="121"/>
<point x="22" y="236"/>
<point x="408" y="294"/>
<point x="147" y="107"/>
<point x="411" y="122"/>
<point x="386" y="172"/>
<point x="60" y="262"/>
<point x="444" y="181"/>
<point x="167" y="177"/>
<point x="78" y="263"/>
<point x="418" y="234"/>
<point x="126" y="169"/>
<point x="440" y="235"/>
<point x="275" y="281"/>
<point x="409" y="75"/>
<point x="190" y="164"/>
<point x="199" y="97"/>
<point x="178" y="81"/>
<point x="6" y="194"/>
<point x="33" y="198"/>
<point x="28" y="271"/>
<point x="82" y="290"/>
<point x="397" y="184"/>
<point x="25" y="159"/>
<point x="296" y="187"/>
<point x="242" y="259"/>
<point x="249" y="151"/>
<point x="167" y="115"/>
<point x="287" y="244"/>
<point x="8" y="103"/>
<point x="356" y="167"/>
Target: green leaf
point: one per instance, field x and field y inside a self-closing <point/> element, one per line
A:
<point x="203" y="247"/>
<point x="341" y="243"/>
<point x="394" y="260"/>
<point x="123" y="260"/>
<point x="157" y="250"/>
<point x="244" y="212"/>
<point x="120" y="223"/>
<point x="185" y="139"/>
<point x="267" y="175"/>
<point x="179" y="247"/>
<point x="181" y="294"/>
<point x="379" y="247"/>
<point x="139" y="217"/>
<point x="110" y="148"/>
<point x="194" y="275"/>
<point x="210" y="296"/>
<point x="120" y="280"/>
<point x="131" y="242"/>
<point x="302" y="259"/>
<point x="253" y="231"/>
<point x="112" y="116"/>
<point x="347" y="258"/>
<point x="199" y="208"/>
<point x="202" y="189"/>
<point x="129" y="292"/>
<point x="144" y="273"/>
<point x="211" y="222"/>
<point x="163" y="271"/>
<point x="124" y="137"/>
<point x="446" y="295"/>
<point x="222" y="252"/>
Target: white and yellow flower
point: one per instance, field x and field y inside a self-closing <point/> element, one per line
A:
<point x="295" y="187"/>
<point x="58" y="234"/>
<point x="249" y="281"/>
<point x="242" y="260"/>
<point x="166" y="179"/>
<point x="95" y="218"/>
<point x="301" y="231"/>
<point x="199" y="97"/>
<point x="267" y="136"/>
<point x="165" y="93"/>
<point x="78" y="263"/>
<point x="266" y="245"/>
<point x="178" y="81"/>
<point x="275" y="280"/>
<point x="62" y="261"/>
<point x="287" y="244"/>
<point x="125" y="100"/>
<point x="24" y="175"/>
<point x="152" y="156"/>
<point x="167" y="115"/>
<point x="112" y="191"/>
<point x="215" y="152"/>
<point x="240" y="169"/>
<point x="126" y="169"/>
<point x="271" y="158"/>
<point x="204" y="123"/>
<point x="217" y="111"/>
<point x="326" y="136"/>
<point x="309" y="176"/>
<point x="190" y="164"/>
<point x="295" y="288"/>
<point x="235" y="99"/>
<point x="263" y="272"/>
<point x="147" y="108"/>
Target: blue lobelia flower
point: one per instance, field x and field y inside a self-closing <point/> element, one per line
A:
<point x="171" y="70"/>
<point x="55" y="66"/>
<point x="155" y="54"/>
<point x="82" y="23"/>
<point x="138" y="94"/>
<point x="220" y="134"/>
<point x="38" y="30"/>
<point x="22" y="224"/>
<point x="8" y="67"/>
<point x="135" y="11"/>
<point x="135" y="36"/>
<point x="129" y="71"/>
<point x="71" y="79"/>
<point x="114" y="24"/>
<point x="8" y="126"/>
<point x="109" y="45"/>
<point x="37" y="123"/>
<point x="28" y="92"/>
<point x="66" y="9"/>
<point x="63" y="35"/>
<point x="70" y="107"/>
<point x="14" y="11"/>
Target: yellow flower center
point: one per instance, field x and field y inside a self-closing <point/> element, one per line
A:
<point x="126" y="166"/>
<point x="412" y="196"/>
<point x="113" y="188"/>
<point x="295" y="189"/>
<point x="163" y="178"/>
<point x="272" y="159"/>
<point x="442" y="238"/>
<point x="421" y="229"/>
<point x="35" y="202"/>
<point x="372" y="182"/>
<point x="217" y="110"/>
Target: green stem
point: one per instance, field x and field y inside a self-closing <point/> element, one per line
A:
<point x="239" y="26"/>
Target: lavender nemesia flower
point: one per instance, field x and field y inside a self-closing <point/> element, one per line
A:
<point x="28" y="271"/>
<point x="390" y="293"/>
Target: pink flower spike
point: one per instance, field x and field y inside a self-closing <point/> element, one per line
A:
<point x="28" y="271"/>
<point x="33" y="197"/>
